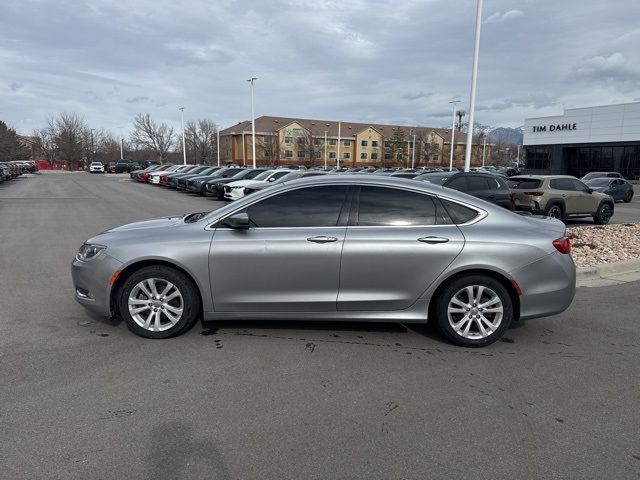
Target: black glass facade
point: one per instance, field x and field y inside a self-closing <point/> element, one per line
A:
<point x="578" y="160"/>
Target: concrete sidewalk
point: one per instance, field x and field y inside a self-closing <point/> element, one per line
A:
<point x="614" y="273"/>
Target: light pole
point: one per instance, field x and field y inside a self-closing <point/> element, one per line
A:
<point x="218" y="143"/>
<point x="253" y="123"/>
<point x="325" y="149"/>
<point x="484" y="149"/>
<point x="121" y="148"/>
<point x="453" y="132"/>
<point x="338" y="158"/>
<point x="518" y="158"/>
<point x="409" y="148"/>
<point x="474" y="78"/>
<point x="184" y="146"/>
<point x="413" y="152"/>
<point x="92" y="145"/>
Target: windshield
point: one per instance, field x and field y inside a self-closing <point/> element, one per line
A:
<point x="436" y="179"/>
<point x="523" y="183"/>
<point x="263" y="175"/>
<point x="599" y="182"/>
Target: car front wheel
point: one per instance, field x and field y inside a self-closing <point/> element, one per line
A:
<point x="159" y="302"/>
<point x="628" y="198"/>
<point x="473" y="311"/>
<point x="604" y="214"/>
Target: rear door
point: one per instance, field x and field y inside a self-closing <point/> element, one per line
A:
<point x="398" y="242"/>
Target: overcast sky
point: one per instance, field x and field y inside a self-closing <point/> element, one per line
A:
<point x="396" y="61"/>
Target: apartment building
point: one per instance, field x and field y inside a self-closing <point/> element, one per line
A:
<point x="295" y="141"/>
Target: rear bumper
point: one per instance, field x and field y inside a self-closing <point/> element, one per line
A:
<point x="548" y="285"/>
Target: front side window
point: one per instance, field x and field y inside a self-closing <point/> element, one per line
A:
<point x="476" y="184"/>
<point x="562" y="184"/>
<point x="579" y="186"/>
<point x="304" y="207"/>
<point x="381" y="206"/>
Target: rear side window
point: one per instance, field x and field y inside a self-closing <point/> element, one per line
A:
<point x="304" y="207"/>
<point x="459" y="213"/>
<point x="380" y="206"/>
<point x="475" y="184"/>
<point x="524" y="184"/>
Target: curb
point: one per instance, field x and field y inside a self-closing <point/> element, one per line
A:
<point x="630" y="269"/>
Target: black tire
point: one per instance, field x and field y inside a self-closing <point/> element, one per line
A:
<point x="604" y="214"/>
<point x="628" y="198"/>
<point x="190" y="301"/>
<point x="554" y="210"/>
<point x="454" y="287"/>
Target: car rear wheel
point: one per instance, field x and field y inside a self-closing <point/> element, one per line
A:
<point x="628" y="198"/>
<point x="473" y="311"/>
<point x="159" y="302"/>
<point x="603" y="215"/>
<point x="554" y="211"/>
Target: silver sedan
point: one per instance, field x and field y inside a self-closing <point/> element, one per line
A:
<point x="356" y="248"/>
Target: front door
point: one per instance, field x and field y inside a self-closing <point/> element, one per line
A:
<point x="289" y="258"/>
<point x="396" y="246"/>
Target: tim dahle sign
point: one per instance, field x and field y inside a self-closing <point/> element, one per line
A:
<point x="562" y="127"/>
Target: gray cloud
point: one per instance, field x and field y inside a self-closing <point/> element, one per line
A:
<point x="362" y="60"/>
<point x="15" y="86"/>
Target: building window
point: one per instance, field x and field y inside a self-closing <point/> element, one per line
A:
<point x="363" y="156"/>
<point x="288" y="153"/>
<point x="374" y="143"/>
<point x="374" y="156"/>
<point x="387" y="156"/>
<point x="399" y="156"/>
<point x="301" y="140"/>
<point x="346" y="155"/>
<point x="288" y="140"/>
<point x="538" y="158"/>
<point x="267" y="153"/>
<point x="300" y="153"/>
<point x="387" y="143"/>
<point x="333" y="142"/>
<point x="316" y="141"/>
<point x="317" y="154"/>
<point x="347" y="143"/>
<point x="332" y="155"/>
<point x="364" y="143"/>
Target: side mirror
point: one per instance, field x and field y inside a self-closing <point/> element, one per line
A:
<point x="238" y="221"/>
<point x="272" y="179"/>
<point x="589" y="190"/>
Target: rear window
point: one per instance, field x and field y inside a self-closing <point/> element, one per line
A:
<point x="459" y="213"/>
<point x="524" y="184"/>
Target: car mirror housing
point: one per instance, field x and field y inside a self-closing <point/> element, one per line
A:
<point x="238" y="221"/>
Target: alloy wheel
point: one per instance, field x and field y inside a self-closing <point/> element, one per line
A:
<point x="555" y="212"/>
<point x="155" y="304"/>
<point x="475" y="312"/>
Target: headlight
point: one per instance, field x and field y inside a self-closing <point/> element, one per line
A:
<point x="236" y="187"/>
<point x="88" y="252"/>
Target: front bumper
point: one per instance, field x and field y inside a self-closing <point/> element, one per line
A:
<point x="91" y="282"/>
<point x="233" y="193"/>
<point x="195" y="187"/>
<point x="548" y="285"/>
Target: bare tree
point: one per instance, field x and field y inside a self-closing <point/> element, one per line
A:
<point x="149" y="135"/>
<point x="200" y="139"/>
<point x="11" y="148"/>
<point x="270" y="146"/>
<point x="64" y="138"/>
<point x="394" y="149"/>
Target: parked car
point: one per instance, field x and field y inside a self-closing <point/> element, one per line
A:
<point x="591" y="175"/>
<point x="235" y="190"/>
<point x="256" y="187"/>
<point x="172" y="180"/>
<point x="560" y="196"/>
<point x="196" y="184"/>
<point x="215" y="186"/>
<point x="618" y="188"/>
<point x="154" y="176"/>
<point x="111" y="167"/>
<point x="380" y="249"/>
<point x="96" y="167"/>
<point x="182" y="182"/>
<point x="124" y="166"/>
<point x="164" y="180"/>
<point x="486" y="186"/>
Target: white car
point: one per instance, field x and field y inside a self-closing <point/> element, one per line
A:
<point x="235" y="190"/>
<point x="96" y="167"/>
<point x="155" y="176"/>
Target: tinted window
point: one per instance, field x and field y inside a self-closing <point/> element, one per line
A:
<point x="562" y="184"/>
<point x="230" y="172"/>
<point x="381" y="206"/>
<point x="475" y="184"/>
<point x="458" y="183"/>
<point x="524" y="184"/>
<point x="459" y="213"/>
<point x="304" y="207"/>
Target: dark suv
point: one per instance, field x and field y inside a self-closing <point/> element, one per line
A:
<point x="125" y="165"/>
<point x="487" y="186"/>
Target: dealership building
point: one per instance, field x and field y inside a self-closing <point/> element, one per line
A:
<point x="604" y="138"/>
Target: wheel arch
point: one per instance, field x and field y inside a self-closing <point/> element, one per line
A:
<point x="556" y="201"/>
<point x="134" y="267"/>
<point x="504" y="280"/>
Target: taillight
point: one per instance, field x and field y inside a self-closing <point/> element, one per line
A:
<point x="563" y="245"/>
<point x="535" y="194"/>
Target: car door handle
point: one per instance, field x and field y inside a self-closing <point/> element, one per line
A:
<point x="432" y="240"/>
<point x="322" y="239"/>
<point x="492" y="196"/>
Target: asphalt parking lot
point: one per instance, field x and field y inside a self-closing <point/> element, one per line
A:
<point x="82" y="398"/>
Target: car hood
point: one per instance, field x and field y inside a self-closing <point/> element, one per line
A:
<point x="599" y="189"/>
<point x="245" y="183"/>
<point x="162" y="222"/>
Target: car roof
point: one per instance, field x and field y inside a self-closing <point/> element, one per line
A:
<point x="540" y="177"/>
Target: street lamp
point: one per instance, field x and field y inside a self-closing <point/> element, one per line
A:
<point x="184" y="147"/>
<point x="325" y="149"/>
<point x="413" y="152"/>
<point x="92" y="145"/>
<point x="453" y="132"/>
<point x="253" y="123"/>
<point x="474" y="78"/>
